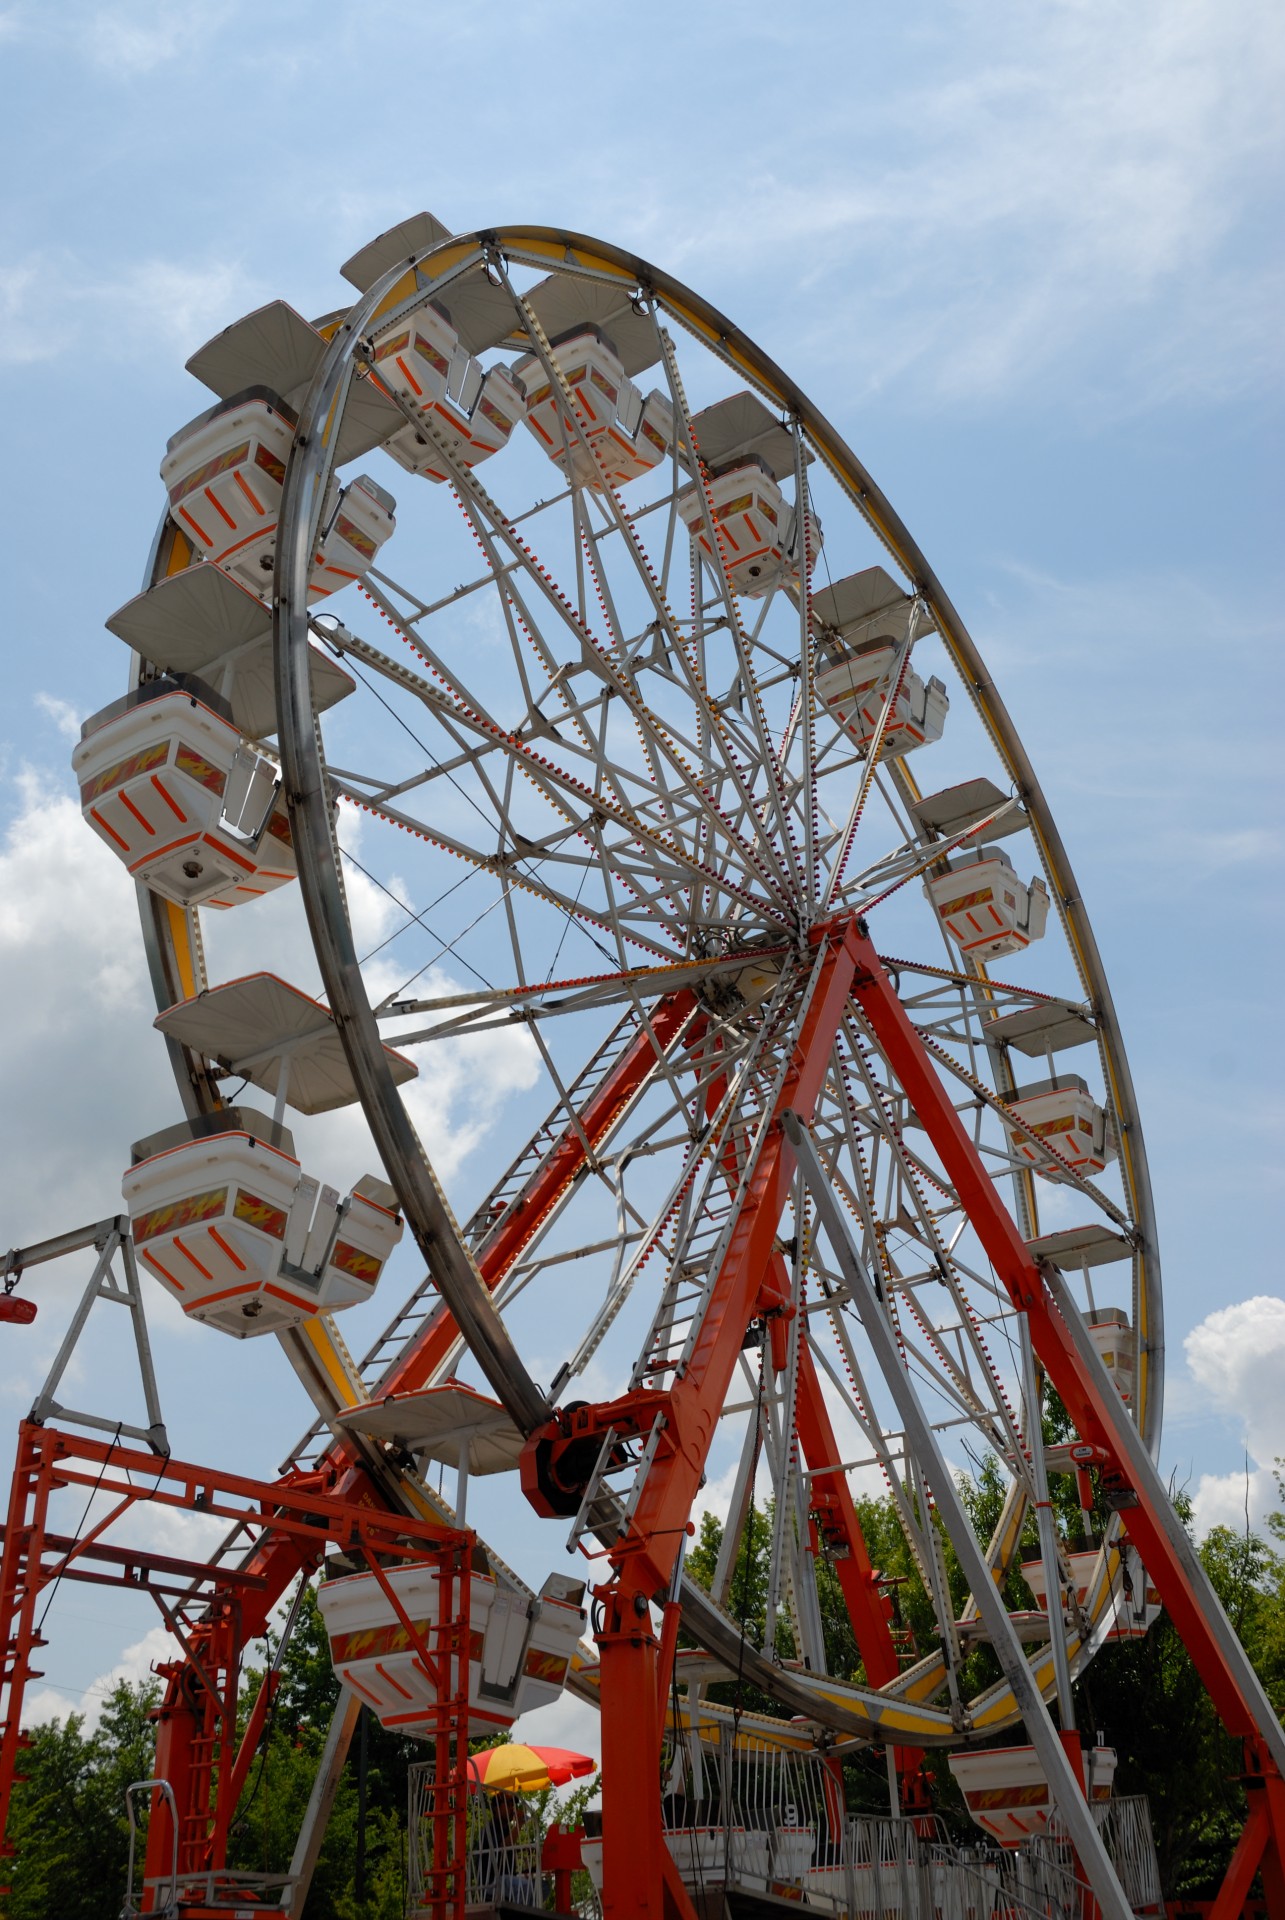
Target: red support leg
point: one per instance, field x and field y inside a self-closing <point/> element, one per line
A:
<point x="1245" y="1862"/>
<point x="1128" y="1475"/>
<point x="184" y="1737"/>
<point x="19" y="1587"/>
<point x="632" y="1833"/>
<point x="447" y="1886"/>
<point x="644" y="1559"/>
<point x="832" y="1503"/>
<point x="196" y="1722"/>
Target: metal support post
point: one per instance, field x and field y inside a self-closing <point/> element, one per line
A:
<point x="1058" y="1770"/>
<point x="644" y="1557"/>
<point x="109" y="1237"/>
<point x="1053" y="1586"/>
<point x="1128" y="1475"/>
<point x="325" y="1786"/>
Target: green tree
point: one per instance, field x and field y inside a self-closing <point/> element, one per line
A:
<point x="67" y="1822"/>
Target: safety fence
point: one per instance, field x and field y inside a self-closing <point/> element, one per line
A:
<point x="768" y="1820"/>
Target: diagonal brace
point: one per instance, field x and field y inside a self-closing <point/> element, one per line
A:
<point x="1008" y="1648"/>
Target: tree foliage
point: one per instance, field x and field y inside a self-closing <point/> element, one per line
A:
<point x="68" y="1824"/>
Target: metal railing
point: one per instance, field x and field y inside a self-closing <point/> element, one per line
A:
<point x="767" y="1818"/>
<point x="770" y="1820"/>
<point x="504" y="1841"/>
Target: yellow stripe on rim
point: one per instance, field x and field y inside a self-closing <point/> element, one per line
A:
<point x="181" y="942"/>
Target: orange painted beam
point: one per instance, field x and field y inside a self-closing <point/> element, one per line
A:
<point x="635" y="1860"/>
<point x="868" y="1608"/>
<point x="645" y="1557"/>
<point x="548" y="1185"/>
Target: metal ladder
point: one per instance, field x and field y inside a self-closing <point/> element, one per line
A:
<point x="420" y="1305"/>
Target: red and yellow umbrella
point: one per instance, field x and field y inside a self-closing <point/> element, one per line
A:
<point x="518" y="1769"/>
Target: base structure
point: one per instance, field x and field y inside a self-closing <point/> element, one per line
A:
<point x="215" y="1609"/>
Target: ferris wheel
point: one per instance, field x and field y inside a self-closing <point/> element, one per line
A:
<point x="693" y="802"/>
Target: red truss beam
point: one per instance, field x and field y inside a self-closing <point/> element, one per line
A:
<point x="746" y="1286"/>
<point x="288" y="1520"/>
<point x="634" y="1852"/>
<point x="549" y="1183"/>
<point x="645" y="1557"/>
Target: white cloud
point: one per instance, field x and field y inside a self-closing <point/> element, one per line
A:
<point x="566" y="1722"/>
<point x="82" y="1070"/>
<point x="1237" y="1357"/>
<point x="134" y="1666"/>
<point x="126" y="41"/>
<point x="52" y="301"/>
<point x="1050" y="178"/>
<point x="85" y="1072"/>
<point x="64" y="716"/>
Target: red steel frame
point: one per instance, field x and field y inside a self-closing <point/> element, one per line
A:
<point x="638" y="1878"/>
<point x="198" y="1758"/>
<point x="202" y="1758"/>
<point x="179" y="1734"/>
<point x="1262" y="1845"/>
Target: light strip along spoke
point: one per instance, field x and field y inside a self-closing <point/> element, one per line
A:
<point x="1023" y="994"/>
<point x="1009" y="1118"/>
<point x="939" y="850"/>
<point x="855" y="1395"/>
<point x="588" y="989"/>
<point x="767" y="755"/>
<point x="622" y="682"/>
<point x="549" y="780"/>
<point x="512" y="603"/>
<point x="928" y="1230"/>
<point x="575" y="910"/>
<point x="903" y="862"/>
<point x="613" y="504"/>
<point x="457" y="709"/>
<point x="706" y="1151"/>
<point x="897" y="674"/>
<point x="938" y="1370"/>
<point x="606" y="600"/>
<point x="702" y="1246"/>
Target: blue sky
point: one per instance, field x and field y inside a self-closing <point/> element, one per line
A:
<point x="1029" y="261"/>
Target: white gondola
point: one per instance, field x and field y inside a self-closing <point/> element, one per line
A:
<point x="862" y="621"/>
<point x="1007" y="1792"/>
<point x="1133" y="1602"/>
<point x="1068" y="1121"/>
<point x="520" y="1647"/>
<point x="224" y="473"/>
<point x="987" y="911"/>
<point x="223" y="1215"/>
<point x="1112" y="1335"/>
<point x="167" y="782"/>
<point x="421" y="360"/>
<point x="753" y="526"/>
<point x="628" y="434"/>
